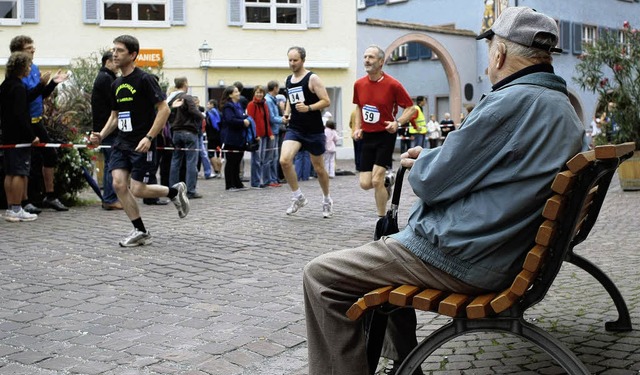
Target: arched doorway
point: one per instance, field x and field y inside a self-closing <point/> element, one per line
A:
<point x="449" y="66"/>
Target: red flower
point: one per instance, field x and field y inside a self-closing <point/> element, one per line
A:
<point x="604" y="82"/>
<point x="94" y="158"/>
<point x="74" y="130"/>
<point x="617" y="67"/>
<point x="625" y="24"/>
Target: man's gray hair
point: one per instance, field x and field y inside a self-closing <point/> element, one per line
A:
<point x="380" y="51"/>
<point x="536" y="54"/>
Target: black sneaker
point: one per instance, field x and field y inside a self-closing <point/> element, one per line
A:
<point x="54" y="203"/>
<point x="30" y="208"/>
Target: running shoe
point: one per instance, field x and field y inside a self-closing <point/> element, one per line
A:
<point x="16" y="217"/>
<point x="296" y="204"/>
<point x="136" y="238"/>
<point x="181" y="201"/>
<point x="327" y="209"/>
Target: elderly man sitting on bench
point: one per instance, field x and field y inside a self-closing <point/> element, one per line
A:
<point x="480" y="194"/>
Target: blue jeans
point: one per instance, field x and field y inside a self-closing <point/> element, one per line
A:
<point x="302" y="163"/>
<point x="204" y="156"/>
<point x="418" y="140"/>
<point x="275" y="160"/>
<point x="184" y="139"/>
<point x="261" y="161"/>
<point x="108" y="194"/>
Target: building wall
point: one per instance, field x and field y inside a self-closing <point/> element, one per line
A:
<point x="467" y="15"/>
<point x="238" y="54"/>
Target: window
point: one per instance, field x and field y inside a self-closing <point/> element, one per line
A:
<point x="361" y="4"/>
<point x="17" y="12"/>
<point x="135" y="13"/>
<point x="589" y="35"/>
<point x="275" y="14"/>
<point x="399" y="54"/>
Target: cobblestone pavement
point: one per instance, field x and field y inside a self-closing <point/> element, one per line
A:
<point x="219" y="292"/>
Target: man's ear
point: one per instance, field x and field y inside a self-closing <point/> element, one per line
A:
<point x="501" y="55"/>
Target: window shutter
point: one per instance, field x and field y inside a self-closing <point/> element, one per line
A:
<point x="413" y="52"/>
<point x="577" y="38"/>
<point x="370" y="3"/>
<point x="314" y="14"/>
<point x="425" y="52"/>
<point x="178" y="12"/>
<point x="381" y="2"/>
<point x="565" y="35"/>
<point x="90" y="11"/>
<point x="30" y="11"/>
<point x="234" y="17"/>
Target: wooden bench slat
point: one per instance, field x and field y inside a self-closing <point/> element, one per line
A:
<point x="480" y="307"/>
<point x="402" y="295"/>
<point x="503" y="301"/>
<point x="428" y="299"/>
<point x="553" y="208"/>
<point x="357" y="309"/>
<point x="378" y="296"/>
<point x="581" y="161"/>
<point x="605" y="152"/>
<point x="535" y="258"/>
<point x="453" y="305"/>
<point x="563" y="182"/>
<point x="522" y="282"/>
<point x="546" y="232"/>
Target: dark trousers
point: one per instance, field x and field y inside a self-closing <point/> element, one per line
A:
<point x="232" y="168"/>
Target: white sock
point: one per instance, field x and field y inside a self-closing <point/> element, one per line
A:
<point x="327" y="199"/>
<point x="297" y="193"/>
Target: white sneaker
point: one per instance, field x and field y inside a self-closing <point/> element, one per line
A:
<point x="327" y="209"/>
<point x="181" y="201"/>
<point x="136" y="238"/>
<point x="16" y="217"/>
<point x="296" y="204"/>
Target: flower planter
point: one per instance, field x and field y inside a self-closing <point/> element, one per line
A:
<point x="629" y="173"/>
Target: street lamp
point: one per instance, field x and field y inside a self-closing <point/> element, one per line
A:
<point x="205" y="58"/>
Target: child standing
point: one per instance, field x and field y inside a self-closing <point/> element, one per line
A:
<point x="331" y="137"/>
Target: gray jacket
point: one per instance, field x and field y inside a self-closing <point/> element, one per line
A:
<point x="482" y="193"/>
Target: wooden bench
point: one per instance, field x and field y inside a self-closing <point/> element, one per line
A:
<point x="569" y="215"/>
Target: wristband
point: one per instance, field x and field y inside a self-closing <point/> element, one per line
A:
<point x="309" y="108"/>
<point x="150" y="138"/>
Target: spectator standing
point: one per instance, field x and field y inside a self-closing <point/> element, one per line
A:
<point x="203" y="156"/>
<point x="275" y="120"/>
<point x="418" y="127"/>
<point x="357" y="143"/>
<point x="139" y="119"/>
<point x="16" y="128"/>
<point x="377" y="97"/>
<point x="44" y="160"/>
<point x="446" y="125"/>
<point x="184" y="127"/>
<point x="307" y="97"/>
<point x="233" y="128"/>
<point x="100" y="112"/>
<point x="212" y="120"/>
<point x="479" y="194"/>
<point x="331" y="136"/>
<point x="433" y="131"/>
<point x="261" y="159"/>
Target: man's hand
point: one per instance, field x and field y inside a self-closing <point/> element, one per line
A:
<point x="392" y="126"/>
<point x="357" y="134"/>
<point x="45" y="77"/>
<point x="285" y="119"/>
<point x="144" y="145"/>
<point x="95" y="138"/>
<point x="35" y="141"/>
<point x="408" y="158"/>
<point x="60" y="76"/>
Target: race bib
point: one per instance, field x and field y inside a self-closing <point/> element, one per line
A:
<point x="296" y="95"/>
<point x="124" y="121"/>
<point x="370" y="114"/>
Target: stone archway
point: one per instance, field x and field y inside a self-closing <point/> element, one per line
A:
<point x="450" y="69"/>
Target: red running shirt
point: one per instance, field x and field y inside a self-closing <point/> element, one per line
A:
<point x="379" y="101"/>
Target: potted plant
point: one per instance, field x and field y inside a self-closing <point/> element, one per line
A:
<point x="611" y="68"/>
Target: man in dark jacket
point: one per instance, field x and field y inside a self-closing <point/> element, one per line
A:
<point x="185" y="136"/>
<point x="100" y="111"/>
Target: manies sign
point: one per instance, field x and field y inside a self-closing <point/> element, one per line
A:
<point x="149" y="57"/>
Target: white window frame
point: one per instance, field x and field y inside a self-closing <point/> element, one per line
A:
<point x="401" y="53"/>
<point x="13" y="21"/>
<point x="361" y="4"/>
<point x="589" y="35"/>
<point x="396" y="1"/>
<point x="135" y="22"/>
<point x="273" y="6"/>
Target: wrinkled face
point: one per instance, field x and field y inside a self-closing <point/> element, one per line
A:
<point x="295" y="61"/>
<point x="372" y="63"/>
